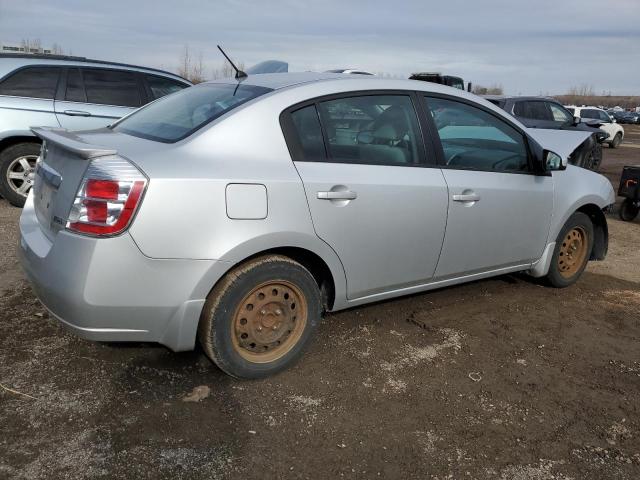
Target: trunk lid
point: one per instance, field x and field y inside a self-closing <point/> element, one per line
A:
<point x="63" y="161"/>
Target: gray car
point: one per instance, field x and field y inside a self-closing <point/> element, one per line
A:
<point x="235" y="213"/>
<point x="71" y="92"/>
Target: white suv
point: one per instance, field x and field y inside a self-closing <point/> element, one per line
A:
<point x="609" y="125"/>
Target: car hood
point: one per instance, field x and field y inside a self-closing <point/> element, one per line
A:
<point x="562" y="142"/>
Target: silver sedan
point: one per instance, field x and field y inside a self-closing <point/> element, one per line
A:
<point x="237" y="212"/>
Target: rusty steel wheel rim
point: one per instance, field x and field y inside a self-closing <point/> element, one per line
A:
<point x="573" y="252"/>
<point x="269" y="321"/>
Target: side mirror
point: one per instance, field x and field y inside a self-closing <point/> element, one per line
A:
<point x="553" y="161"/>
<point x="613" y="120"/>
<point x="577" y="120"/>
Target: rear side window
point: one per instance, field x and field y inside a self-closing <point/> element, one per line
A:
<point x="161" y="86"/>
<point x="175" y="117"/>
<point x="309" y="134"/>
<point x="111" y="87"/>
<point x="372" y="129"/>
<point x="532" y="110"/>
<point x="34" y="82"/>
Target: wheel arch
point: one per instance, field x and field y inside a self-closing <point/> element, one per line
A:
<point x="600" y="230"/>
<point x="7" y="142"/>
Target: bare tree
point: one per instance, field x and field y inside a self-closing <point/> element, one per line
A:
<point x="225" y="70"/>
<point x="56" y="49"/>
<point x="190" y="68"/>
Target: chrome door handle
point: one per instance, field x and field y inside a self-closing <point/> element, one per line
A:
<point x="331" y="195"/>
<point x="77" y="113"/>
<point x="466" y="197"/>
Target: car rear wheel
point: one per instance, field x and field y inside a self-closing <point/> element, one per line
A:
<point x="617" y="140"/>
<point x="259" y="318"/>
<point x="17" y="171"/>
<point x="628" y="210"/>
<point x="572" y="252"/>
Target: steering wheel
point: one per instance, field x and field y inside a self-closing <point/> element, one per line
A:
<point x="503" y="160"/>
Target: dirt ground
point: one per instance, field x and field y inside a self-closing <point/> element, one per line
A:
<point x="498" y="379"/>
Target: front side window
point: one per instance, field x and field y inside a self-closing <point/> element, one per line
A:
<point x="161" y="86"/>
<point x="560" y="114"/>
<point x="372" y="129"/>
<point x="33" y="82"/>
<point x="111" y="87"/>
<point x="175" y="117"/>
<point x="604" y="116"/>
<point x="474" y="139"/>
<point x="533" y="110"/>
<point x="590" y="113"/>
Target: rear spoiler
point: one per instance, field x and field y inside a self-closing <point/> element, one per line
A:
<point x="72" y="142"/>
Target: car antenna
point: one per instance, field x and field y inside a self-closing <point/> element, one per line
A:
<point x="239" y="73"/>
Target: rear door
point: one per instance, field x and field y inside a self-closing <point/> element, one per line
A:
<point x="374" y="195"/>
<point x="499" y="211"/>
<point x="96" y="97"/>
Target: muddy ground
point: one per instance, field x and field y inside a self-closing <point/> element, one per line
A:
<point x="498" y="379"/>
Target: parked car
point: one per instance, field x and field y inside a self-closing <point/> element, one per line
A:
<point x="547" y="113"/>
<point x="607" y="123"/>
<point x="237" y="212"/>
<point x="631" y="118"/>
<point x="349" y="70"/>
<point x="435" y="77"/>
<point x="70" y="92"/>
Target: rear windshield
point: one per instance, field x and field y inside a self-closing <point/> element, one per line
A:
<point x="177" y="116"/>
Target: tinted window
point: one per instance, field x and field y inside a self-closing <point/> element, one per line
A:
<point x="75" y="88"/>
<point x="309" y="133"/>
<point x="111" y="87"/>
<point x="590" y="113"/>
<point x="35" y="82"/>
<point x="560" y="114"/>
<point x="175" y="117"/>
<point x="474" y="139"/>
<point x="604" y="116"/>
<point x="161" y="86"/>
<point x="534" y="110"/>
<point x="571" y="110"/>
<point x="375" y="129"/>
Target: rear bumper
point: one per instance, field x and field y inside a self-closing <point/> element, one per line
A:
<point x="107" y="290"/>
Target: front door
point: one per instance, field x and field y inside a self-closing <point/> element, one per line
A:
<point x="371" y="195"/>
<point x="499" y="211"/>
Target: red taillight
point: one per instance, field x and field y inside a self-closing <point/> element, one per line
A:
<point x="105" y="206"/>
<point x="107" y="189"/>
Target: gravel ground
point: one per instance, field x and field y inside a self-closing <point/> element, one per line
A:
<point x="497" y="379"/>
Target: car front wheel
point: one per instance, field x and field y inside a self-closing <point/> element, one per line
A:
<point x="259" y="318"/>
<point x="617" y="140"/>
<point x="572" y="252"/>
<point x="17" y="171"/>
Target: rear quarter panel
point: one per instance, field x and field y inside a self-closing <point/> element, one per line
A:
<point x="18" y="114"/>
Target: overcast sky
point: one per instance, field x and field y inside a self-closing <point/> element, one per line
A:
<point x="530" y="47"/>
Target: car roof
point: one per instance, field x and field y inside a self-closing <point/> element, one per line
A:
<point x="276" y="81"/>
<point x="519" y="97"/>
<point x="11" y="61"/>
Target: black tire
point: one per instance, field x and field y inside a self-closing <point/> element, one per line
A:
<point x="595" y="158"/>
<point x="617" y="140"/>
<point x="7" y="159"/>
<point x="218" y="329"/>
<point x="628" y="210"/>
<point x="558" y="278"/>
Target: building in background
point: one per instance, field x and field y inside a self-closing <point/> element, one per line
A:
<point x="29" y="47"/>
